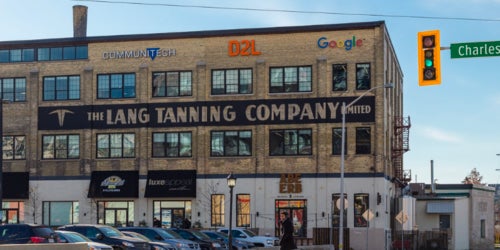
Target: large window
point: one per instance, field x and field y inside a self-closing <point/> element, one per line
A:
<point x="337" y="141"/>
<point x="14" y="147"/>
<point x="231" y="81"/>
<point x="61" y="88"/>
<point x="217" y="208"/>
<point x="290" y="142"/>
<point x="62" y="53"/>
<point x="58" y="213"/>
<point x="339" y="77"/>
<point x="363" y="141"/>
<point x="13" y="89"/>
<point x="61" y="147"/>
<point x="17" y="55"/>
<point x="231" y="143"/>
<point x="172" y="144"/>
<point x="113" y="86"/>
<point x="173" y="83"/>
<point x="243" y="210"/>
<point x="361" y="205"/>
<point x="290" y="79"/>
<point x="115" y="145"/>
<point x="336" y="210"/>
<point x="363" y="76"/>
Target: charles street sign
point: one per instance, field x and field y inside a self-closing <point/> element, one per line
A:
<point x="475" y="49"/>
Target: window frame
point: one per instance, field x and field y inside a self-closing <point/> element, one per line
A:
<point x="290" y="84"/>
<point x="14" y="147"/>
<point x="17" y="93"/>
<point x="228" y="135"/>
<point x="337" y="141"/>
<point x="109" y="151"/>
<point x="181" y="89"/>
<point x="167" y="149"/>
<point x="283" y="146"/>
<point x="217" y="210"/>
<point x="107" y="86"/>
<point x="339" y="84"/>
<point x="58" y="153"/>
<point x="243" y="218"/>
<point x="68" y="88"/>
<point x="359" y="198"/>
<point x="237" y="80"/>
<point x="363" y="76"/>
<point x="363" y="143"/>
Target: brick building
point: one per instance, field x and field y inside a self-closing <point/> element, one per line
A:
<point x="121" y="129"/>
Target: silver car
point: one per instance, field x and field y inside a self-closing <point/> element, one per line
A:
<point x="74" y="237"/>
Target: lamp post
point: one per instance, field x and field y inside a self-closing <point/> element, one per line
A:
<point x="342" y="159"/>
<point x="231" y="182"/>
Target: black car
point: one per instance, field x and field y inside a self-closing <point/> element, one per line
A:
<point x="206" y="243"/>
<point x="109" y="236"/>
<point x="154" y="245"/>
<point x="164" y="235"/>
<point x="27" y="234"/>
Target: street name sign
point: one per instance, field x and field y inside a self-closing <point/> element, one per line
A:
<point x="475" y="49"/>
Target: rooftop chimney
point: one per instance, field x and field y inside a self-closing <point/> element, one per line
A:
<point x="79" y="21"/>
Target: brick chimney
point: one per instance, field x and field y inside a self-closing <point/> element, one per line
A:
<point x="79" y="21"/>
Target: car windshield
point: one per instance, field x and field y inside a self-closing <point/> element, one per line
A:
<point x="75" y="237"/>
<point x="172" y="234"/>
<point x="138" y="235"/>
<point x="42" y="231"/>
<point x="200" y="235"/>
<point x="250" y="233"/>
<point x="110" y="232"/>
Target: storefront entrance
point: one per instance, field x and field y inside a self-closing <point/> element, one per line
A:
<point x="116" y="213"/>
<point x="172" y="213"/>
<point x="297" y="209"/>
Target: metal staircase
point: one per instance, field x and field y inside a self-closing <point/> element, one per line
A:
<point x="400" y="145"/>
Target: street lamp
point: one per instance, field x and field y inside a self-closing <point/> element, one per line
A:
<point x="231" y="182"/>
<point x="342" y="159"/>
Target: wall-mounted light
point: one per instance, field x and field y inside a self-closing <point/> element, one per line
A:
<point x="199" y="214"/>
<point x="144" y="214"/>
<point x="257" y="214"/>
<point x="322" y="214"/>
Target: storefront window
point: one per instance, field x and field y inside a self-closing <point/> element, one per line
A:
<point x="361" y="205"/>
<point x="297" y="209"/>
<point x="243" y="210"/>
<point x="58" y="213"/>
<point x="115" y="213"/>
<point x="218" y="209"/>
<point x="336" y="210"/>
<point x="12" y="212"/>
<point x="171" y="213"/>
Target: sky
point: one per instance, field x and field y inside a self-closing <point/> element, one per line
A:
<point x="455" y="124"/>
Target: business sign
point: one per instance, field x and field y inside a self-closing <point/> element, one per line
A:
<point x="114" y="184"/>
<point x="171" y="183"/>
<point x="475" y="49"/>
<point x="213" y="113"/>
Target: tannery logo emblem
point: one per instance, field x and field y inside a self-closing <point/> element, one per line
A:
<point x="61" y="113"/>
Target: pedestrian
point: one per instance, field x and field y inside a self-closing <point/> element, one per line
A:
<point x="286" y="242"/>
<point x="186" y="223"/>
<point x="156" y="222"/>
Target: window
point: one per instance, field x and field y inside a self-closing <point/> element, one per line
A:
<point x="175" y="83"/>
<point x="61" y="147"/>
<point x="231" y="143"/>
<point x="337" y="141"/>
<point x="231" y="81"/>
<point x="243" y="210"/>
<point x="361" y="205"/>
<point x="290" y="142"/>
<point x="336" y="210"/>
<point x="13" y="89"/>
<point x="173" y="144"/>
<point x="115" y="145"/>
<point x="339" y="77"/>
<point x="62" y="53"/>
<point x="217" y="208"/>
<point x="113" y="86"/>
<point x="17" y="55"/>
<point x="58" y="213"/>
<point x="290" y="79"/>
<point x="363" y="141"/>
<point x="483" y="229"/>
<point x="14" y="147"/>
<point x="362" y="76"/>
<point x="61" y="88"/>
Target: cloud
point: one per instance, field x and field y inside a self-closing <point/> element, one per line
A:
<point x="440" y="135"/>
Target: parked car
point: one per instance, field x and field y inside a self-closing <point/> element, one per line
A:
<point x="247" y="235"/>
<point x="27" y="233"/>
<point x="73" y="237"/>
<point x="164" y="235"/>
<point x="206" y="243"/>
<point x="108" y="235"/>
<point x="236" y="243"/>
<point x="154" y="245"/>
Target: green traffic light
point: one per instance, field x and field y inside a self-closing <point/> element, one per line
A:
<point x="428" y="63"/>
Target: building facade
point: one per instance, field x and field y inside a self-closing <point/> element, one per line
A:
<point x="121" y="129"/>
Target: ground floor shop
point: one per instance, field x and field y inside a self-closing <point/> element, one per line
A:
<point x="124" y="198"/>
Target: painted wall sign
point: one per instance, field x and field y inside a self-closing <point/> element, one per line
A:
<point x="324" y="42"/>
<point x="290" y="184"/>
<point x="216" y="113"/>
<point x="242" y="48"/>
<point x="148" y="52"/>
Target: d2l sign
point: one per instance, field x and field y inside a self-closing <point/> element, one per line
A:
<point x="242" y="48"/>
<point x="475" y="49"/>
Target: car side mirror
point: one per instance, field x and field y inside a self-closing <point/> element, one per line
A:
<point x="99" y="236"/>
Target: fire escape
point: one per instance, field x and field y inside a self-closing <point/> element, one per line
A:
<point x="400" y="145"/>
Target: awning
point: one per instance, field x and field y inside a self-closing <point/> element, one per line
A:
<point x="440" y="207"/>
<point x="171" y="183"/>
<point x="114" y="184"/>
<point x="15" y="185"/>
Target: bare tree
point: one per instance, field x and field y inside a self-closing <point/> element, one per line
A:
<point x="33" y="202"/>
<point x="205" y="199"/>
<point x="473" y="178"/>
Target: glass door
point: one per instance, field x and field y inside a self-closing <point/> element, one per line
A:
<point x="115" y="217"/>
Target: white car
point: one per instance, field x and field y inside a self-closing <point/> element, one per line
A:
<point x="73" y="237"/>
<point x="249" y="236"/>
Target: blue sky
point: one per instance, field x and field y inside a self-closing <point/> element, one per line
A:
<point x="456" y="124"/>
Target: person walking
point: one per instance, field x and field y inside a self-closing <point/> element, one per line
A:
<point x="286" y="242"/>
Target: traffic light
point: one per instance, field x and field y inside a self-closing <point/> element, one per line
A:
<point x="429" y="58"/>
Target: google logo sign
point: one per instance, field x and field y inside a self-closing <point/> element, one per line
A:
<point x="323" y="43"/>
